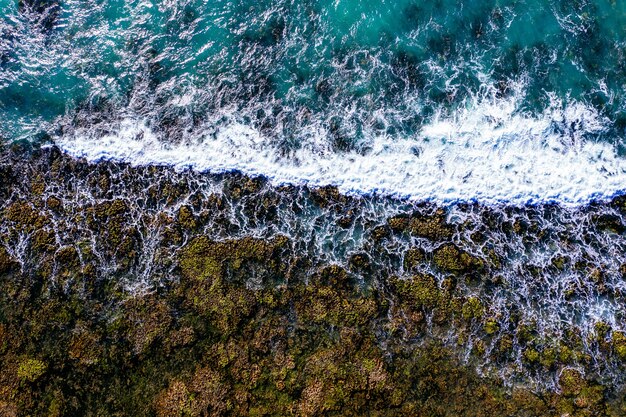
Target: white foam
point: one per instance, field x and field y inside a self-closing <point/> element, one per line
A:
<point x="487" y="152"/>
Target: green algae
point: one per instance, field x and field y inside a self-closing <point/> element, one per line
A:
<point x="450" y="258"/>
<point x="473" y="309"/>
<point x="619" y="344"/>
<point x="491" y="326"/>
<point x="31" y="370"/>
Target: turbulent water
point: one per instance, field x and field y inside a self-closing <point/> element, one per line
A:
<point x="446" y="100"/>
<point x="508" y="116"/>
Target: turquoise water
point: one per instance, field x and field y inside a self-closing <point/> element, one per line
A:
<point x="315" y="55"/>
<point x="332" y="76"/>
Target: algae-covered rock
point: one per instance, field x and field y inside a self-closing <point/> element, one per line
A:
<point x="491" y="326"/>
<point x="143" y="291"/>
<point x="412" y="258"/>
<point x="531" y="355"/>
<point x="619" y="344"/>
<point x="450" y="258"/>
<point x="609" y="223"/>
<point x="601" y="330"/>
<point x="241" y="186"/>
<point x="571" y="381"/>
<point x="175" y="401"/>
<point x="31" y="369"/>
<point x="335" y="277"/>
<point x="327" y="196"/>
<point x="505" y="345"/>
<point x="360" y="262"/>
<point x="399" y="223"/>
<point x="560" y="262"/>
<point x="7" y="262"/>
<point x="473" y="309"/>
<point x="85" y="347"/>
<point x="432" y="227"/>
<point x="186" y="218"/>
<point x="203" y="259"/>
<point x="24" y="216"/>
<point x="380" y="233"/>
<point x="548" y="357"/>
<point x="419" y="291"/>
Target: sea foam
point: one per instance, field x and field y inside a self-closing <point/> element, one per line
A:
<point x="487" y="151"/>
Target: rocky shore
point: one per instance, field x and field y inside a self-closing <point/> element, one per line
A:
<point x="144" y="291"/>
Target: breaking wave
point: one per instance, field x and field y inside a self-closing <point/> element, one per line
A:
<point x="487" y="151"/>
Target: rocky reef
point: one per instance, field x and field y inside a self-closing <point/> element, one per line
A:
<point x="144" y="291"/>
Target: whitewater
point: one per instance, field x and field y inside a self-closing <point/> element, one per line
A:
<point x="487" y="152"/>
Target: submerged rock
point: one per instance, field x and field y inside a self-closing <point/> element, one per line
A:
<point x="43" y="12"/>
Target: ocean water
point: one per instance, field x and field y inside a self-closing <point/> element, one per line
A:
<point x="494" y="101"/>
